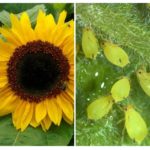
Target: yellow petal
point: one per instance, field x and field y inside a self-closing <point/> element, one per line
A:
<point x="6" y="98"/>
<point x="17" y="28"/>
<point x="71" y="76"/>
<point x="69" y="93"/>
<point x="70" y="88"/>
<point x="50" y="21"/>
<point x="40" y="111"/>
<point x="40" y="25"/>
<point x="33" y="122"/>
<point x="15" y="21"/>
<point x="71" y="73"/>
<point x="3" y="68"/>
<point x="68" y="97"/>
<point x="9" y="109"/>
<point x="3" y="81"/>
<point x="27" y="116"/>
<point x="49" y="28"/>
<point x="54" y="111"/>
<point x="10" y="36"/>
<point x="70" y="38"/>
<point x="46" y="123"/>
<point x="68" y="42"/>
<point x="43" y="126"/>
<point x="8" y="104"/>
<point x="40" y="19"/>
<point x="62" y="33"/>
<point x="67" y="119"/>
<point x="4" y="54"/>
<point x="29" y="34"/>
<point x="66" y="107"/>
<point x="6" y="50"/>
<point x="68" y="50"/>
<point x="62" y="17"/>
<point x="18" y="113"/>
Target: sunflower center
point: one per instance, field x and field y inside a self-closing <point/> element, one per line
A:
<point x="37" y="70"/>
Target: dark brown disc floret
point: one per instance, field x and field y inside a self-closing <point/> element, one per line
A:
<point x="37" y="71"/>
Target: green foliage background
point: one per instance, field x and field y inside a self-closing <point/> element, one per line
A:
<point x="56" y="136"/>
<point x="127" y="25"/>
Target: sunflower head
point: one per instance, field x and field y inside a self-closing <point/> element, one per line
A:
<point x="37" y="71"/>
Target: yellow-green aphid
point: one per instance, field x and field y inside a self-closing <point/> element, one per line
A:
<point x="99" y="108"/>
<point x="144" y="80"/>
<point x="115" y="54"/>
<point x="90" y="43"/>
<point x="121" y="89"/>
<point x="135" y="125"/>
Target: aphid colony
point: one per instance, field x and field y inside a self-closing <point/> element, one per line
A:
<point x="134" y="123"/>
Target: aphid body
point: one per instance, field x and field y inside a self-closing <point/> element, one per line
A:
<point x="135" y="125"/>
<point x="144" y="80"/>
<point x="90" y="43"/>
<point x="99" y="108"/>
<point x="115" y="54"/>
<point x="121" y="89"/>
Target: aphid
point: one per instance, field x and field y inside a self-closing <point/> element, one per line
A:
<point x="115" y="54"/>
<point x="144" y="80"/>
<point x="135" y="125"/>
<point x="99" y="108"/>
<point x="121" y="89"/>
<point x="90" y="43"/>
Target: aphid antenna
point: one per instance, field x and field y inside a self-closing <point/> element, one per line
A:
<point x="123" y="70"/>
<point x="133" y="105"/>
<point x="122" y="134"/>
<point x="120" y="107"/>
<point x="121" y="120"/>
<point x="120" y="77"/>
<point x="138" y="109"/>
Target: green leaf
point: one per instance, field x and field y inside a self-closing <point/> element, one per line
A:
<point x="59" y="6"/>
<point x="33" y="12"/>
<point x="34" y="136"/>
<point x="121" y="24"/>
<point x="4" y="18"/>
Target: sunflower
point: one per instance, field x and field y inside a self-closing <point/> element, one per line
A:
<point x="37" y="71"/>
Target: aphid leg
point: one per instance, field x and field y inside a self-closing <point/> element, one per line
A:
<point x="123" y="71"/>
<point x="120" y="107"/>
<point x="121" y="120"/>
<point x="92" y="55"/>
<point x="138" y="109"/>
<point x="134" y="141"/>
<point x="120" y="60"/>
<point x="122" y="135"/>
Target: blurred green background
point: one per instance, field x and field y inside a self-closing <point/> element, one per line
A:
<point x="55" y="8"/>
<point x="127" y="25"/>
<point x="57" y="136"/>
